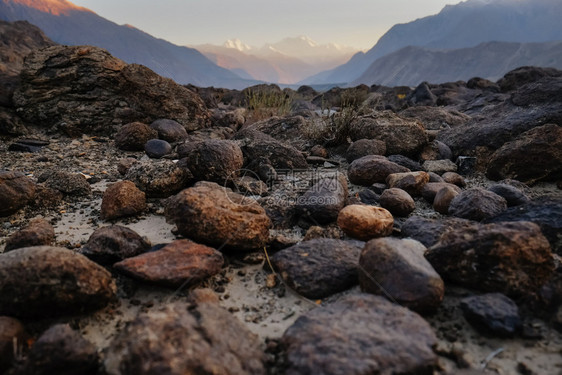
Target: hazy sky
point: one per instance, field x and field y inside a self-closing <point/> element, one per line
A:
<point x="357" y="23"/>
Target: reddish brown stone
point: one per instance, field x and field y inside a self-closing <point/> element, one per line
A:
<point x="37" y="233"/>
<point x="122" y="198"/>
<point x="365" y="222"/>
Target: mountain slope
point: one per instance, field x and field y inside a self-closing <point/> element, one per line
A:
<point x="460" y="26"/>
<point x="413" y="65"/>
<point x="66" y="23"/>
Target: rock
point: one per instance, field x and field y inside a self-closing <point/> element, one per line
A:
<point x="256" y="145"/>
<point x="69" y="183"/>
<point x="443" y="199"/>
<point x="524" y="75"/>
<point x="492" y="314"/>
<point x="133" y="136"/>
<point x="397" y="201"/>
<point x="436" y="150"/>
<point x="422" y="95"/>
<point x="208" y="134"/>
<point x="27" y="145"/>
<point x="369" y="197"/>
<point x="290" y="130"/>
<point x="542" y="145"/>
<point x="85" y="89"/>
<point x="365" y="222"/>
<point x="402" y="136"/>
<point x="510" y="258"/>
<point x="405" y="162"/>
<point x="157" y="148"/>
<point x="436" y="118"/>
<point x="319" y="268"/>
<point x="11" y="331"/>
<point x="46" y="197"/>
<point x="371" y="169"/>
<point x="434" y="177"/>
<point x="319" y="151"/>
<point x="169" y="130"/>
<point x="542" y="91"/>
<point x="466" y="164"/>
<point x="512" y="195"/>
<point x="411" y="182"/>
<point x="10" y="123"/>
<point x="181" y="339"/>
<point x="439" y="166"/>
<point x="215" y="160"/>
<point x="125" y="164"/>
<point x="477" y="204"/>
<point x="360" y="334"/>
<point x="37" y="233"/>
<point x="323" y="201"/>
<point x="428" y="231"/>
<point x="545" y="212"/>
<point x="364" y="147"/>
<point x="216" y="216"/>
<point x="16" y="191"/>
<point x="454" y="178"/>
<point x="181" y="263"/>
<point x="108" y="245"/>
<point x="61" y="350"/>
<point x="121" y="199"/>
<point x="46" y="281"/>
<point x="378" y="187"/>
<point x="431" y="189"/>
<point x="248" y="183"/>
<point x="158" y="178"/>
<point x="395" y="268"/>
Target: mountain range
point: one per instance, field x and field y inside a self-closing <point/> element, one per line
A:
<point x="66" y="23"/>
<point x="287" y="61"/>
<point x="463" y="25"/>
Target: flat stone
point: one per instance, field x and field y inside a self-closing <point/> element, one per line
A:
<point x="440" y="166"/>
<point x="111" y="244"/>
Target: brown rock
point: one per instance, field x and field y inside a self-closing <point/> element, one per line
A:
<point x="364" y="147"/>
<point x="370" y="169"/>
<point x="396" y="268"/>
<point x="213" y="215"/>
<point x="46" y="197"/>
<point x="431" y="189"/>
<point x="361" y="334"/>
<point x="533" y="156"/>
<point x="68" y="183"/>
<point x="16" y="191"/>
<point x="46" y="281"/>
<point x="319" y="268"/>
<point x="319" y="151"/>
<point x="125" y="164"/>
<point x="37" y="233"/>
<point x="439" y="166"/>
<point x="11" y="331"/>
<point x="443" y="199"/>
<point x="180" y="263"/>
<point x="215" y="160"/>
<point x="111" y="244"/>
<point x="158" y="178"/>
<point x="181" y="339"/>
<point x="397" y="201"/>
<point x="122" y="198"/>
<point x="402" y="136"/>
<point x="61" y="350"/>
<point x="133" y="136"/>
<point x="454" y="178"/>
<point x="411" y="182"/>
<point x="510" y="258"/>
<point x="477" y="204"/>
<point x="436" y="150"/>
<point x="89" y="90"/>
<point x="365" y="222"/>
<point x="169" y="130"/>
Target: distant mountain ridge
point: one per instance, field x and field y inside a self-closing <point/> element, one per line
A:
<point x="287" y="61"/>
<point x="412" y="65"/>
<point x="66" y="23"/>
<point x="464" y="25"/>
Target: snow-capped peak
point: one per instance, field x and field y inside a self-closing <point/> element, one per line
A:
<point x="237" y="44"/>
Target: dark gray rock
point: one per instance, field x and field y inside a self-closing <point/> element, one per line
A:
<point x="428" y="231"/>
<point x="319" y="268"/>
<point x="477" y="204"/>
<point x="108" y="245"/>
<point x="215" y="160"/>
<point x="405" y="162"/>
<point x="396" y="269"/>
<point x="368" y="196"/>
<point x="324" y="200"/>
<point x="169" y="130"/>
<point x="46" y="281"/>
<point x="512" y="195"/>
<point x="492" y="314"/>
<point x="157" y="148"/>
<point x="360" y="335"/>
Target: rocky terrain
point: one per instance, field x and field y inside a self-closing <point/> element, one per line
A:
<point x="154" y="228"/>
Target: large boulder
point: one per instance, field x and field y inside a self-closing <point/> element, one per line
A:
<point x="533" y="156"/>
<point x="215" y="160"/>
<point x="396" y="268"/>
<point x="360" y="335"/>
<point x="320" y="267"/>
<point x="371" y="169"/>
<point x="213" y="215"/>
<point x="85" y="89"/>
<point x="185" y="339"/>
<point x="16" y="191"/>
<point x="401" y="136"/>
<point x="510" y="258"/>
<point x="45" y="281"/>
